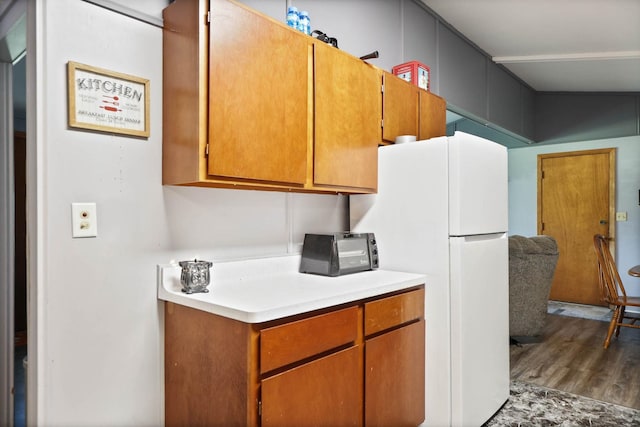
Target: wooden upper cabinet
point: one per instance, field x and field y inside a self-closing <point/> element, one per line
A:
<point x="184" y="86"/>
<point x="347" y="103"/>
<point x="433" y="116"/>
<point x="409" y="110"/>
<point x="258" y="90"/>
<point x="239" y="110"/>
<point x="400" y="109"/>
<point x="250" y="103"/>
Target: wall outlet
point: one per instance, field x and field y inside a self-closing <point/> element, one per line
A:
<point x="84" y="219"/>
<point x="621" y="216"/>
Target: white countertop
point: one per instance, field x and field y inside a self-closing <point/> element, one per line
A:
<point x="255" y="291"/>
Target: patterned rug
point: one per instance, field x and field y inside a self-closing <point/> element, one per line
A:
<point x="593" y="312"/>
<point x="531" y="405"/>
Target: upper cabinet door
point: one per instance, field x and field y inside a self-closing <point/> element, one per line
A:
<point x="259" y="97"/>
<point x="347" y="101"/>
<point x="433" y="116"/>
<point x="400" y="108"/>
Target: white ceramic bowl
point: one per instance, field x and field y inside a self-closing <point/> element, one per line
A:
<point x="405" y="138"/>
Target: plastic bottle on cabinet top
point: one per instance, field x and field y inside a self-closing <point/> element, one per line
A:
<point x="292" y="17"/>
<point x="304" y="22"/>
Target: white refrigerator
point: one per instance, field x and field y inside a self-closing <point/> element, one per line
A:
<point x="442" y="210"/>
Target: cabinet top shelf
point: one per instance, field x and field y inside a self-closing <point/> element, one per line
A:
<point x="261" y="290"/>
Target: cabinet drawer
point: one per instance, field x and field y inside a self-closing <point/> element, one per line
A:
<point x="393" y="311"/>
<point x="288" y="343"/>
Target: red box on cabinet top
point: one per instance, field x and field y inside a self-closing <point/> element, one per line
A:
<point x="414" y="72"/>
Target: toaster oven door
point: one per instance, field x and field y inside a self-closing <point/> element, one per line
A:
<point x="353" y="255"/>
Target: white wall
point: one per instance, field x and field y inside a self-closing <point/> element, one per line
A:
<point x="99" y="343"/>
<point x="360" y="26"/>
<point x="523" y="195"/>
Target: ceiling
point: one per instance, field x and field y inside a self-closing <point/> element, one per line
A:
<point x="555" y="45"/>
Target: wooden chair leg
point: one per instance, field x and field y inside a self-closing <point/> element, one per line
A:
<point x="612" y="326"/>
<point x="620" y="320"/>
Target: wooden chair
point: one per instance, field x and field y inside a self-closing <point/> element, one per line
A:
<point x="612" y="289"/>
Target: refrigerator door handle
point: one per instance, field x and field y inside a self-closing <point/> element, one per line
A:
<point x="482" y="237"/>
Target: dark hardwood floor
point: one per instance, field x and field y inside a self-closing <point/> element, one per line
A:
<point x="571" y="358"/>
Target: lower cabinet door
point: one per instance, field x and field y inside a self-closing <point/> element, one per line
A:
<point x="394" y="377"/>
<point x="325" y="392"/>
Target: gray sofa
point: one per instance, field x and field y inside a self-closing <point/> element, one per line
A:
<point x="532" y="263"/>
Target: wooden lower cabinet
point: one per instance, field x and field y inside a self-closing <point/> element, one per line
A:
<point x="328" y="389"/>
<point x="395" y="377"/>
<point x="325" y="368"/>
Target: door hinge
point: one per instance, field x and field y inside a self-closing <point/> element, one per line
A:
<point x="208" y="16"/>
<point x="382" y="123"/>
<point x="206" y="150"/>
<point x="542" y="226"/>
<point x="259" y="408"/>
<point x="542" y="174"/>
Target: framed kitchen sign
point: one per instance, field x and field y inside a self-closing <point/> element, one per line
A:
<point x="107" y="101"/>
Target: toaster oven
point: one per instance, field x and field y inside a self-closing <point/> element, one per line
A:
<point x="336" y="254"/>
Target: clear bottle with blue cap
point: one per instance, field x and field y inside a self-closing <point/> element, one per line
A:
<point x="304" y="22"/>
<point x="293" y="17"/>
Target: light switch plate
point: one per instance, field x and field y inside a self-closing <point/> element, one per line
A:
<point x="84" y="219"/>
<point x="621" y="216"/>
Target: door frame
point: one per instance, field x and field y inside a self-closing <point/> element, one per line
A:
<point x="7" y="225"/>
<point x="611" y="152"/>
<point x="12" y="14"/>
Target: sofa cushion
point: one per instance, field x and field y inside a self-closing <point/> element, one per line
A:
<point x="532" y="263"/>
<point x="532" y="245"/>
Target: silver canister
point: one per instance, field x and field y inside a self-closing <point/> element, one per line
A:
<point x="195" y="276"/>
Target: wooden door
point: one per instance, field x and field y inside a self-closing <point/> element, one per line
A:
<point x="259" y="97"/>
<point x="348" y="108"/>
<point x="399" y="108"/>
<point x="395" y="377"/>
<point x="324" y="392"/>
<point x="576" y="199"/>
